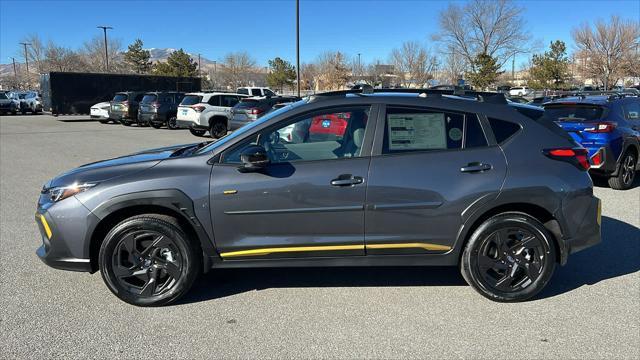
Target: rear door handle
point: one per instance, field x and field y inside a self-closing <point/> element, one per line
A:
<point x="347" y="180"/>
<point x="475" y="167"/>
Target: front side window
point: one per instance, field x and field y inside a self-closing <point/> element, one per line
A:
<point x="256" y="92"/>
<point x="330" y="134"/>
<point x="410" y="130"/>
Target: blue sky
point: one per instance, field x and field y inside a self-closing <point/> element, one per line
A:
<point x="266" y="29"/>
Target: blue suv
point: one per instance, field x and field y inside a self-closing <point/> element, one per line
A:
<point x="608" y="126"/>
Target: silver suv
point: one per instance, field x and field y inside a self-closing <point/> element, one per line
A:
<point x="202" y="111"/>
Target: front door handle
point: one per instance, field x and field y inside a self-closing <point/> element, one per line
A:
<point x="347" y="180"/>
<point x="475" y="167"/>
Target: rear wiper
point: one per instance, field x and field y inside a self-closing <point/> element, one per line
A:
<point x="571" y="119"/>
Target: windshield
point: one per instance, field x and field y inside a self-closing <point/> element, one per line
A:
<point x="240" y="132"/>
<point x="120" y="97"/>
<point x="573" y="112"/>
<point x="149" y="98"/>
<point x="191" y="100"/>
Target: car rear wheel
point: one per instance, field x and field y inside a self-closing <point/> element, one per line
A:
<point x="171" y="123"/>
<point x="197" y="132"/>
<point x="509" y="258"/>
<point x="148" y="260"/>
<point x="218" y="129"/>
<point x="626" y="172"/>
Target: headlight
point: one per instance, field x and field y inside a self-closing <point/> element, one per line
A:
<point x="63" y="192"/>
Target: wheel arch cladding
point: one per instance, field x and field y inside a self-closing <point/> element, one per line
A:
<point x="173" y="203"/>
<point x="538" y="212"/>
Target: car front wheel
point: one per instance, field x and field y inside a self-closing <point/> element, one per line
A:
<point x="148" y="260"/>
<point x="171" y="123"/>
<point x="218" y="129"/>
<point x="510" y="257"/>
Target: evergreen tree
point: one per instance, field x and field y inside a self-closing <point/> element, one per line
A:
<point x="179" y="63"/>
<point x="137" y="58"/>
<point x="550" y="69"/>
<point x="281" y="73"/>
<point x="486" y="71"/>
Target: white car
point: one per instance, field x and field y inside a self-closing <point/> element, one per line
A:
<point x="520" y="91"/>
<point x="207" y="111"/>
<point x="255" y="91"/>
<point x="100" y="111"/>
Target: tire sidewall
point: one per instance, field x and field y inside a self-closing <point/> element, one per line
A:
<point x="469" y="257"/>
<point x="189" y="260"/>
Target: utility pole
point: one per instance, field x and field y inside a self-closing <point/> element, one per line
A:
<point x="26" y="59"/>
<point x="199" y="71"/>
<point x="359" y="67"/>
<point x="215" y="73"/>
<point x="15" y="72"/>
<point x="106" y="52"/>
<point x="298" y="46"/>
<point x="513" y="68"/>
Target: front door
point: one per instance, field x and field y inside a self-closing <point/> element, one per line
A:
<point x="308" y="202"/>
<point x="431" y="166"/>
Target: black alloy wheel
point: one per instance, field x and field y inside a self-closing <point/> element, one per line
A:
<point x="626" y="173"/>
<point x="218" y="129"/>
<point x="171" y="123"/>
<point x="510" y="257"/>
<point x="147" y="260"/>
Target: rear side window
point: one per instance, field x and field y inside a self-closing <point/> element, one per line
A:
<point x="243" y="91"/>
<point x="229" y="100"/>
<point x="191" y="100"/>
<point x="409" y="130"/>
<point x="120" y="97"/>
<point x="149" y="98"/>
<point x="503" y="130"/>
<point x="214" y="100"/>
<point x="573" y="112"/>
<point x="632" y="111"/>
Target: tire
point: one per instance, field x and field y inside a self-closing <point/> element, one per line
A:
<point x="147" y="247"/>
<point x="626" y="172"/>
<point x="155" y="125"/>
<point x="520" y="272"/>
<point x="218" y="129"/>
<point x="171" y="123"/>
<point x="197" y="132"/>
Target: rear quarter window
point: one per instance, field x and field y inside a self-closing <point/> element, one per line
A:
<point x="191" y="100"/>
<point x="503" y="130"/>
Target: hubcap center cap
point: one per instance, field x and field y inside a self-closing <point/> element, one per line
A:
<point x="510" y="259"/>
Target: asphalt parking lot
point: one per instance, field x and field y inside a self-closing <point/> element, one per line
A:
<point x="591" y="308"/>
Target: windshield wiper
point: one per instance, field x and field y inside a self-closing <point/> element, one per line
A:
<point x="193" y="148"/>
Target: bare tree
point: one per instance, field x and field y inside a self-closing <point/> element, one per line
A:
<point x="236" y="69"/>
<point x="60" y="58"/>
<point x="492" y="27"/>
<point x="609" y="51"/>
<point x="92" y="54"/>
<point x="333" y="71"/>
<point x="35" y="52"/>
<point x="308" y="73"/>
<point x="413" y="64"/>
<point x="453" y="66"/>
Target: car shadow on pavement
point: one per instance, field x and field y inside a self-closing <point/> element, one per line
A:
<point x="227" y="282"/>
<point x="77" y="120"/>
<point x="618" y="254"/>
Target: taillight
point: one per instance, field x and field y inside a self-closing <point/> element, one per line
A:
<point x="155" y="104"/>
<point x="256" y="111"/>
<point x="198" y="108"/>
<point x="579" y="157"/>
<point x="604" y="127"/>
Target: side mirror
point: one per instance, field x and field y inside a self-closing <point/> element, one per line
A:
<point x="254" y="158"/>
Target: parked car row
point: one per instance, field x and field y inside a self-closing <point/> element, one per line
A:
<point x="215" y="112"/>
<point x="12" y="102"/>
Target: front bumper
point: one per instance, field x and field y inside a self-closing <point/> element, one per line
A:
<point x="63" y="233"/>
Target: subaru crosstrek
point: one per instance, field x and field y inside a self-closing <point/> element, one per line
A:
<point x="415" y="179"/>
<point x="609" y="128"/>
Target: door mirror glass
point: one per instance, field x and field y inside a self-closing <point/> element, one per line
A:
<point x="254" y="158"/>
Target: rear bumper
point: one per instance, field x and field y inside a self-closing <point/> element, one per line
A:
<point x="151" y="117"/>
<point x="588" y="233"/>
<point x="608" y="162"/>
<point x="188" y="124"/>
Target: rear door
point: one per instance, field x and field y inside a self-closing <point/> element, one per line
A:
<point x="428" y="167"/>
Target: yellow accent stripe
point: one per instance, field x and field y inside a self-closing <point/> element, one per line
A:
<point x="267" y="251"/>
<point x="425" y="246"/>
<point x="599" y="219"/>
<point x="230" y="192"/>
<point x="45" y="224"/>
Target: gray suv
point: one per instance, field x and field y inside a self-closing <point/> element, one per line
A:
<point x="352" y="178"/>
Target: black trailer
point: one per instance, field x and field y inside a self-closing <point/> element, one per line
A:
<point x="75" y="93"/>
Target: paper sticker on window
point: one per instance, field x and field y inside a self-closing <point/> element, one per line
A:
<point x="455" y="134"/>
<point x="417" y="131"/>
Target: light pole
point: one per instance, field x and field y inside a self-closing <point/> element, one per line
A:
<point x="106" y="52"/>
<point x="26" y="59"/>
<point x="298" y="46"/>
<point x="359" y="67"/>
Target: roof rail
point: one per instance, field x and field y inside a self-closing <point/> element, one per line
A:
<point x="482" y="96"/>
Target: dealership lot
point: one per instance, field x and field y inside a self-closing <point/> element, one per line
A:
<point x="591" y="307"/>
